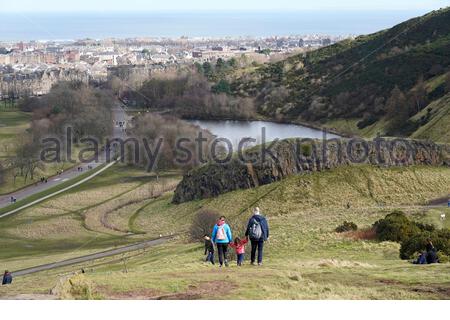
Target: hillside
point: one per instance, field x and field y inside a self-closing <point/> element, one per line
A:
<point x="381" y="80"/>
<point x="305" y="258"/>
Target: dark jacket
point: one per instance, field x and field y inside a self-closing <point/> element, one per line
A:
<point x="7" y="278"/>
<point x="209" y="246"/>
<point x="264" y="226"/>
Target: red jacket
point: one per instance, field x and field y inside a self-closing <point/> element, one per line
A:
<point x="240" y="247"/>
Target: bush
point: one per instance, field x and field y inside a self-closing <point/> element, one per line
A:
<point x="203" y="223"/>
<point x="416" y="243"/>
<point x="306" y="150"/>
<point x="442" y="257"/>
<point x="395" y="227"/>
<point x="412" y="235"/>
<point x="346" y="226"/>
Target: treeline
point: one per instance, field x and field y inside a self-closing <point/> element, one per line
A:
<point x="190" y="94"/>
<point x="166" y="142"/>
<point x="86" y="110"/>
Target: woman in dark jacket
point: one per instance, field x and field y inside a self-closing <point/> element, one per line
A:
<point x="258" y="232"/>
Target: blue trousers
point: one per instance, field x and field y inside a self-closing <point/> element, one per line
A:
<point x="240" y="259"/>
<point x="210" y="257"/>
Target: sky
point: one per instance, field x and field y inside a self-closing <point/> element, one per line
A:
<point x="218" y="5"/>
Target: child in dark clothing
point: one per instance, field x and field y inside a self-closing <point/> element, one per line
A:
<point x="209" y="249"/>
<point x="7" y="278"/>
<point x="239" y="246"/>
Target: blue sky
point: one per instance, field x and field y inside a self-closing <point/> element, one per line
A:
<point x="190" y="5"/>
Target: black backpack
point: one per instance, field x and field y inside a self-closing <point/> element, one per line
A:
<point x="255" y="231"/>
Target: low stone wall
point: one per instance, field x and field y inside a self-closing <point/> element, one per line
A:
<point x="260" y="166"/>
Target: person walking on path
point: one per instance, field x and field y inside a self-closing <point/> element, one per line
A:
<point x="222" y="236"/>
<point x="239" y="246"/>
<point x="209" y="249"/>
<point x="258" y="232"/>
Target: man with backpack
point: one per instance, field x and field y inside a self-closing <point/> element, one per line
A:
<point x="222" y="236"/>
<point x="258" y="232"/>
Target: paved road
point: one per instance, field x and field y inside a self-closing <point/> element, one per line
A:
<point x="119" y="115"/>
<point x="90" y="257"/>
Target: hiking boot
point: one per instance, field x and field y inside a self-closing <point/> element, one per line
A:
<point x="252" y="263"/>
<point x="259" y="264"/>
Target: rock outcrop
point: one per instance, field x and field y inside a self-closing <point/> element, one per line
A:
<point x="260" y="166"/>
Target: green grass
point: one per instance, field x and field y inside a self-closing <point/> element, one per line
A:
<point x="12" y="123"/>
<point x="438" y="127"/>
<point x="305" y="258"/>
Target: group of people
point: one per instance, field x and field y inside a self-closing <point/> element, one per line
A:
<point x="429" y="255"/>
<point x="257" y="233"/>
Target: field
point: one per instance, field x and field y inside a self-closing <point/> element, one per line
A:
<point x="305" y="258"/>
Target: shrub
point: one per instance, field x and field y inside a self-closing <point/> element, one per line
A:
<point x="443" y="258"/>
<point x="395" y="227"/>
<point x="346" y="226"/>
<point x="412" y="235"/>
<point x="203" y="223"/>
<point x="306" y="150"/>
<point x="416" y="243"/>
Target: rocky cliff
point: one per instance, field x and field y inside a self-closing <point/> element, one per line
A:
<point x="264" y="165"/>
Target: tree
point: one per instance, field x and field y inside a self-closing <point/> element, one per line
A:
<point x="208" y="69"/>
<point x="418" y="95"/>
<point x="397" y="110"/>
<point x="223" y="86"/>
<point x="203" y="223"/>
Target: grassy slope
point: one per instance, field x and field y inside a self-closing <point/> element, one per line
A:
<point x="305" y="258"/>
<point x="438" y="128"/>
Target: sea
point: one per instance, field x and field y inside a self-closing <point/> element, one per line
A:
<point x="25" y="26"/>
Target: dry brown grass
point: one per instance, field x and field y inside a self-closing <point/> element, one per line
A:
<point x="113" y="216"/>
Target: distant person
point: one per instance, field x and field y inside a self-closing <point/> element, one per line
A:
<point x="422" y="258"/>
<point x="431" y="252"/>
<point x="239" y="247"/>
<point x="222" y="236"/>
<point x="209" y="249"/>
<point x="12" y="199"/>
<point x="7" y="278"/>
<point x="258" y="232"/>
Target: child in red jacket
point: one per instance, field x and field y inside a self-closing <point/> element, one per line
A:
<point x="239" y="246"/>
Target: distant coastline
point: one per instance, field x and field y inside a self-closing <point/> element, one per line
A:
<point x="26" y="26"/>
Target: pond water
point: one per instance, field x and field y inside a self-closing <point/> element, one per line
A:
<point x="235" y="131"/>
